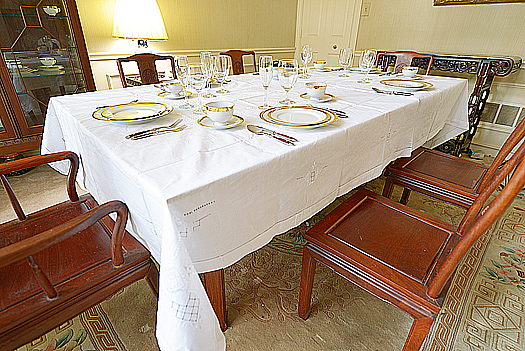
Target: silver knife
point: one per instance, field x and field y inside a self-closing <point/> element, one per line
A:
<point x="136" y="134"/>
<point x="269" y="131"/>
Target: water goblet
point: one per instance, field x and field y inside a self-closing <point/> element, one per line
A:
<point x="207" y="62"/>
<point x="346" y="56"/>
<point x="181" y="69"/>
<point x="266" y="75"/>
<point x="366" y="62"/>
<point x="306" y="57"/>
<point x="197" y="78"/>
<point x="221" y="69"/>
<point x="288" y="72"/>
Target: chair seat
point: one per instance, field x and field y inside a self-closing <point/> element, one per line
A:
<point x="80" y="268"/>
<point x="381" y="243"/>
<point x="442" y="176"/>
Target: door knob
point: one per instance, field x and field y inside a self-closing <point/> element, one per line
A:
<point x="334" y="47"/>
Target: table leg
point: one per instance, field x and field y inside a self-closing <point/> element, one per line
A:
<point x="214" y="284"/>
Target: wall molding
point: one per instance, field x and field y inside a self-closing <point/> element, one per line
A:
<point x="104" y="56"/>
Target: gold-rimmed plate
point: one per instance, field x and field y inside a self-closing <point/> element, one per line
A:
<point x="303" y="117"/>
<point x="325" y="98"/>
<point x="406" y="85"/>
<point x="166" y="95"/>
<point x="132" y="112"/>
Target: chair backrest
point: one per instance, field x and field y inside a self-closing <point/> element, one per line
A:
<point x="479" y="218"/>
<point x="147" y="69"/>
<point x="514" y="139"/>
<point x="402" y="59"/>
<point x="237" y="62"/>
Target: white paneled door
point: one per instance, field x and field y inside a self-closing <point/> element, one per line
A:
<point x="327" y="26"/>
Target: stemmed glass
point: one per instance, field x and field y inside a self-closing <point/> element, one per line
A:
<point x="288" y="72"/>
<point x="366" y="62"/>
<point x="207" y="63"/>
<point x="346" y="56"/>
<point x="306" y="57"/>
<point x="198" y="78"/>
<point x="266" y="74"/>
<point x="221" y="69"/>
<point x="181" y="69"/>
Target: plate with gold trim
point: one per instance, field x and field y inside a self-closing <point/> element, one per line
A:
<point x="298" y="116"/>
<point x="406" y="85"/>
<point x="325" y="98"/>
<point x="135" y="112"/>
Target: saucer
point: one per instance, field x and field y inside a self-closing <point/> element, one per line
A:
<point x="233" y="122"/>
<point x="165" y="94"/>
<point x="416" y="77"/>
<point x="326" y="69"/>
<point x="324" y="98"/>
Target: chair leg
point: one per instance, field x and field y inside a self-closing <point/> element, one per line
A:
<point x="418" y="333"/>
<point x="404" y="196"/>
<point x="389" y="186"/>
<point x="153" y="278"/>
<point x="307" y="282"/>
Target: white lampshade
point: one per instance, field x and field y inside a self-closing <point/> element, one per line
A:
<point x="138" y="19"/>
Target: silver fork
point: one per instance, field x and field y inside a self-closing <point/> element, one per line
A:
<point x="159" y="131"/>
<point x="173" y="125"/>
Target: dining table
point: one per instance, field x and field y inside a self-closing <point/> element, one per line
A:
<point x="202" y="198"/>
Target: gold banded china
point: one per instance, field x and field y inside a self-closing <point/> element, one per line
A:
<point x="406" y="85"/>
<point x="132" y="112"/>
<point x="303" y="117"/>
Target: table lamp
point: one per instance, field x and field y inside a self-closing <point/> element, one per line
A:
<point x="139" y="19"/>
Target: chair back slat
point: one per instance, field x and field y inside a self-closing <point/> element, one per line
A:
<point x="514" y="139"/>
<point x="402" y="59"/>
<point x="480" y="217"/>
<point x="12" y="198"/>
<point x="237" y="62"/>
<point x="146" y="66"/>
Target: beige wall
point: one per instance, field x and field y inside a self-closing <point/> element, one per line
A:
<point x="266" y="26"/>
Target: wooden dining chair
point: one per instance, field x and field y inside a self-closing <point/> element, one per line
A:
<point x="57" y="262"/>
<point x="237" y="62"/>
<point x="402" y="59"/>
<point x="398" y="254"/>
<point x="147" y="69"/>
<point x="445" y="177"/>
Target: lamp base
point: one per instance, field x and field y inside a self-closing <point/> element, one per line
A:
<point x="142" y="47"/>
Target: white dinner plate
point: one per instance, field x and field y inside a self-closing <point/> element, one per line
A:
<point x="134" y="112"/>
<point x="406" y="85"/>
<point x="401" y="76"/>
<point x="208" y="123"/>
<point x="165" y="94"/>
<point x="324" y="98"/>
<point x="303" y="117"/>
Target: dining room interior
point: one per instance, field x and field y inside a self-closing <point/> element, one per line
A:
<point x="229" y="189"/>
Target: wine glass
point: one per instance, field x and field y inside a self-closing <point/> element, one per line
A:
<point x="266" y="74"/>
<point x="346" y="56"/>
<point x="181" y="69"/>
<point x="288" y="72"/>
<point x="306" y="57"/>
<point x="198" y="78"/>
<point x="366" y="62"/>
<point x="207" y="62"/>
<point x="221" y="69"/>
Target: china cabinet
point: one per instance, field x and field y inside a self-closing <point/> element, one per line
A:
<point x="42" y="54"/>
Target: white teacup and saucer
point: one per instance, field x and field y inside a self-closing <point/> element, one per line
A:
<point x="315" y="91"/>
<point x="219" y="115"/>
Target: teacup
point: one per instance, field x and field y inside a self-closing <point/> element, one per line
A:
<point x="51" y="10"/>
<point x="47" y="61"/>
<point x="315" y="89"/>
<point x="219" y="112"/>
<point x="319" y="64"/>
<point x="172" y="87"/>
<point x="409" y="72"/>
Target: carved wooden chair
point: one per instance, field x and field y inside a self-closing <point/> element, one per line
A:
<point x="398" y="254"/>
<point x="402" y="59"/>
<point x="237" y="62"/>
<point x="57" y="262"/>
<point x="445" y="177"/>
<point x="147" y="69"/>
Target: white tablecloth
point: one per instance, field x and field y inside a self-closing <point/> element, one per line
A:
<point x="202" y="199"/>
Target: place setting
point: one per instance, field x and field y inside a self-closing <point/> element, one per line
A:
<point x="172" y="90"/>
<point x="132" y="112"/>
<point x="219" y="115"/>
<point x="406" y="84"/>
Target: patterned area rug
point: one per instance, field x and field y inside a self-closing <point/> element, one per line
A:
<point x="485" y="307"/>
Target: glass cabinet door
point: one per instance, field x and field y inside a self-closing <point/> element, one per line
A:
<point x="38" y="46"/>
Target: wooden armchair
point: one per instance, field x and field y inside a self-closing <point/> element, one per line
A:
<point x="57" y="262"/>
<point x="445" y="177"/>
<point x="147" y="69"/>
<point x="402" y="59"/>
<point x="237" y="62"/>
<point x="398" y="254"/>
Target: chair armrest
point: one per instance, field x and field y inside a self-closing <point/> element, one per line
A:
<point x="30" y="246"/>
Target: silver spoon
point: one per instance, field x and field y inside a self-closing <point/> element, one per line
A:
<point x="254" y="129"/>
